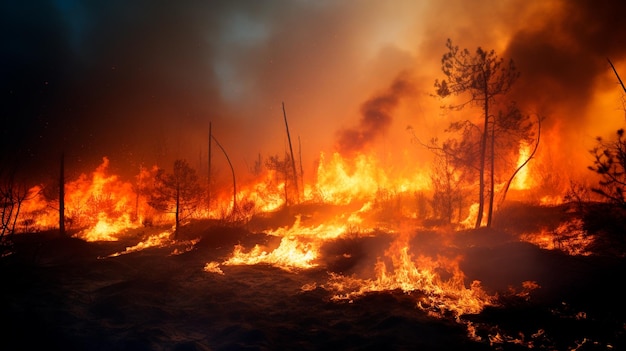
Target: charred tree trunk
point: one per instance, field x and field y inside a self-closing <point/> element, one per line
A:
<point x="293" y="160"/>
<point x="62" y="196"/>
<point x="532" y="154"/>
<point x="483" y="156"/>
<point x="617" y="75"/>
<point x="209" y="171"/>
<point x="232" y="170"/>
<point x="301" y="168"/>
<point x="177" y="211"/>
<point x="492" y="173"/>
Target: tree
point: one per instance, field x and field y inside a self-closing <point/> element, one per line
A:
<point x="294" y="173"/>
<point x="62" y="196"/>
<point x="519" y="128"/>
<point x="284" y="168"/>
<point x="483" y="76"/>
<point x="447" y="192"/>
<point x="610" y="163"/>
<point x="178" y="192"/>
<point x="12" y="195"/>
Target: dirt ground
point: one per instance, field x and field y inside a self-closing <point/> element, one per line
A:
<point x="64" y="293"/>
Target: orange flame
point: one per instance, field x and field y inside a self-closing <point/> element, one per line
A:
<point x="522" y="180"/>
<point x="101" y="205"/>
<point x="417" y="274"/>
<point x="298" y="249"/>
<point x="569" y="237"/>
<point x="341" y="182"/>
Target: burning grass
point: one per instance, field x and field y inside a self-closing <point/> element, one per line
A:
<point x="405" y="289"/>
<point x="361" y="242"/>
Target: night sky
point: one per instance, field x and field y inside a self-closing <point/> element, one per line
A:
<point x="139" y="81"/>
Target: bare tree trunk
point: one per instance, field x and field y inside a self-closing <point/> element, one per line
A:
<point x="492" y="175"/>
<point x="62" y="196"/>
<point x="209" y="171"/>
<point x="233" y="172"/>
<point x="618" y="78"/>
<point x="293" y="160"/>
<point x="483" y="156"/>
<point x="532" y="154"/>
<point x="301" y="168"/>
<point x="177" y="212"/>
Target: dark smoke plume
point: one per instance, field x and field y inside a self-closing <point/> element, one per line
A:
<point x="562" y="58"/>
<point x="376" y="117"/>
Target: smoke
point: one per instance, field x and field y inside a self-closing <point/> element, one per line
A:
<point x="563" y="58"/>
<point x="376" y="118"/>
<point x="140" y="82"/>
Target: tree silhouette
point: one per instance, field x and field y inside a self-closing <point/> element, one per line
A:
<point x="178" y="192"/>
<point x="482" y="76"/>
<point x="283" y="166"/>
<point x="12" y="195"/>
<point x="447" y="190"/>
<point x="610" y="163"/>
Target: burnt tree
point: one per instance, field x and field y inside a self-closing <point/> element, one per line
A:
<point x="610" y="163"/>
<point x="283" y="166"/>
<point x="62" y="196"/>
<point x="481" y="76"/>
<point x="292" y="158"/>
<point x="178" y="192"/>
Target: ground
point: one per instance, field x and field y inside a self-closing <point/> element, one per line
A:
<point x="64" y="293"/>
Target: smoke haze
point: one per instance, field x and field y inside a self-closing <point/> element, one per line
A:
<point x="140" y="82"/>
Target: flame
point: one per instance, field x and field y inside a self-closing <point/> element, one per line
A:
<point x="470" y="220"/>
<point x="291" y="253"/>
<point x="422" y="274"/>
<point x="569" y="237"/>
<point x="213" y="267"/>
<point x="342" y="181"/>
<point x="522" y="180"/>
<point x="298" y="249"/>
<point x="100" y="205"/>
<point x="101" y="202"/>
<point x="36" y="212"/>
<point x="106" y="228"/>
<point x="160" y="240"/>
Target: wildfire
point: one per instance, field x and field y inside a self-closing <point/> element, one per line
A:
<point x="102" y="207"/>
<point x="340" y="181"/>
<point x="569" y="237"/>
<point x="159" y="240"/>
<point x="299" y="247"/>
<point x="106" y="229"/>
<point x="439" y="278"/>
<point x="423" y="274"/>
